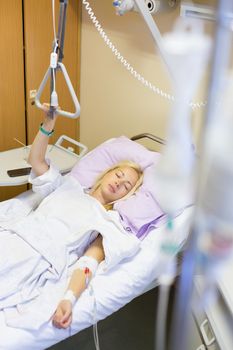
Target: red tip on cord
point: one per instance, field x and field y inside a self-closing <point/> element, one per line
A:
<point x="86" y="271"/>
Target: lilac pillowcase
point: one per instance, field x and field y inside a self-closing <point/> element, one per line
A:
<point x="141" y="209"/>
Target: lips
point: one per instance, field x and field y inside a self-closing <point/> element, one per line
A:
<point x="111" y="188"/>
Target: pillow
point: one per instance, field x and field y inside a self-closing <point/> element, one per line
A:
<point x="109" y="153"/>
<point x="138" y="211"/>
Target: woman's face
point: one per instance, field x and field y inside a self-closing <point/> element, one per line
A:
<point x="117" y="183"/>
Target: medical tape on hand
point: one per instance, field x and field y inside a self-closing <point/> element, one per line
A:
<point x="69" y="295"/>
<point x="87" y="262"/>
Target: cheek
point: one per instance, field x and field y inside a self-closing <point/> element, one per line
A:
<point x="124" y="191"/>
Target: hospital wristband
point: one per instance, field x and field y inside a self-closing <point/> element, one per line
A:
<point x="69" y="295"/>
<point x="45" y="132"/>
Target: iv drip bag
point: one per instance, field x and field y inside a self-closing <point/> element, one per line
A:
<point x="217" y="179"/>
<point x="186" y="52"/>
<point x="216" y="202"/>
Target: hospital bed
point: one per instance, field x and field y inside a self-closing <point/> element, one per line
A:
<point x="112" y="289"/>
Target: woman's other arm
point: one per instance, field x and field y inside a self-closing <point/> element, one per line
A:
<point x="39" y="146"/>
<point x="62" y="317"/>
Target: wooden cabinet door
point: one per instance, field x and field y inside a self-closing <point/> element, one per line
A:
<point x="12" y="102"/>
<point x="38" y="46"/>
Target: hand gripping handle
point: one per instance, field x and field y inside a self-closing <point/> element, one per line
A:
<point x="70" y="88"/>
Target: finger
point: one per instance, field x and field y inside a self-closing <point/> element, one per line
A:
<point x="46" y="107"/>
<point x="57" y="317"/>
<point x="58" y="314"/>
<point x="67" y="323"/>
<point x="56" y="324"/>
<point x="66" y="316"/>
<point x="59" y="324"/>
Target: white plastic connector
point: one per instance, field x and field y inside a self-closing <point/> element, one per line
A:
<point x="123" y="6"/>
<point x="53" y="60"/>
<point x="153" y="6"/>
<point x="54" y="99"/>
<point x="169" y="272"/>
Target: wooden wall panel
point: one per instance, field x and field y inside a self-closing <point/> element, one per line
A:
<point x="12" y="107"/>
<point x="38" y="42"/>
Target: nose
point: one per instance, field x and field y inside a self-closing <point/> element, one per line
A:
<point x="117" y="184"/>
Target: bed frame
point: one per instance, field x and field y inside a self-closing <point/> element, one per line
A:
<point x="149" y="136"/>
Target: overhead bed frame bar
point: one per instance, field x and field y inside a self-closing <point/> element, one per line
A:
<point x="149" y="136"/>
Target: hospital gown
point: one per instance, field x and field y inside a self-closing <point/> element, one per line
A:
<point x="42" y="245"/>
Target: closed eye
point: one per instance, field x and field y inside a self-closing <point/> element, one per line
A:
<point x="128" y="186"/>
<point x="119" y="174"/>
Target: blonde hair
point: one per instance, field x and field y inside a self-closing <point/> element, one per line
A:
<point x="125" y="163"/>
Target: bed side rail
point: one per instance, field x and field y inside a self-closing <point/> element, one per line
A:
<point x="148" y="136"/>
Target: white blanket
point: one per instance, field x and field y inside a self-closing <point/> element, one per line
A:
<point x="39" y="250"/>
<point x="112" y="290"/>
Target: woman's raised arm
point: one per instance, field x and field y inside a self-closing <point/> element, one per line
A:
<point x="39" y="146"/>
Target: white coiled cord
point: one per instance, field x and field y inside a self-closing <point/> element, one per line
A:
<point x="127" y="65"/>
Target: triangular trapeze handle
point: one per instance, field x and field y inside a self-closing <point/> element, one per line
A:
<point x="70" y="88"/>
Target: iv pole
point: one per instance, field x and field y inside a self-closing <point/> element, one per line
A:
<point x="183" y="303"/>
<point x="154" y="31"/>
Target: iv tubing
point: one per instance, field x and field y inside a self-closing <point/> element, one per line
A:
<point x="95" y="326"/>
<point x="54" y="25"/>
<point x="160" y="333"/>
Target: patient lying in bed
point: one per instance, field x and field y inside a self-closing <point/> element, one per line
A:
<point x="41" y="249"/>
<point x="70" y="223"/>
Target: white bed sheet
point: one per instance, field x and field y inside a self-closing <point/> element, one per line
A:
<point x="112" y="290"/>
